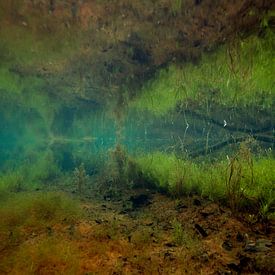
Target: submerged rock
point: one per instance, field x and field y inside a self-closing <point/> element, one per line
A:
<point x="140" y="200"/>
<point x="180" y="207"/>
<point x="200" y="230"/>
<point x="227" y="245"/>
<point x="261" y="245"/>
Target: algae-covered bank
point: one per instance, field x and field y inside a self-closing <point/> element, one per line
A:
<point x="137" y="137"/>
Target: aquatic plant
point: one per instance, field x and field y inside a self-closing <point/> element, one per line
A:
<point x="176" y="6"/>
<point x="142" y="237"/>
<point x="12" y="182"/>
<point x="168" y="172"/>
<point x="179" y="236"/>
<point x="244" y="177"/>
<point x="234" y="183"/>
<point x="80" y="177"/>
<point x="267" y="207"/>
<point x="183" y="236"/>
<point x="119" y="174"/>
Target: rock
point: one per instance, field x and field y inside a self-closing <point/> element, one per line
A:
<point x="250" y="247"/>
<point x="197" y="202"/>
<point x="261" y="245"/>
<point x="240" y="237"/>
<point x="264" y="242"/>
<point x="245" y="262"/>
<point x="202" y="232"/>
<point x="227" y="245"/>
<point x="180" y="206"/>
<point x="71" y="230"/>
<point x="166" y="226"/>
<point x="168" y="255"/>
<point x="225" y="272"/>
<point x="107" y="198"/>
<point x="140" y="200"/>
<point x="49" y="231"/>
<point x="210" y="210"/>
<point x="124" y="211"/>
<point x="148" y="223"/>
<point x="204" y="258"/>
<point x="234" y="266"/>
<point x="169" y="244"/>
<point x="124" y="259"/>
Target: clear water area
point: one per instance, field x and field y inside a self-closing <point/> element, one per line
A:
<point x="71" y="139"/>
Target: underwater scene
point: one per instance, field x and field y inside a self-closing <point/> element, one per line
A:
<point x="137" y="137"/>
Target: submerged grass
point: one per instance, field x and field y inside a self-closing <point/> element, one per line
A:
<point x="184" y="177"/>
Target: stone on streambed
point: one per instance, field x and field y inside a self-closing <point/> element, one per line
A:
<point x="261" y="245"/>
<point x="140" y="200"/>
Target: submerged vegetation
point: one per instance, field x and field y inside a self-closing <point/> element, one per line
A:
<point x="137" y="137"/>
<point x="234" y="180"/>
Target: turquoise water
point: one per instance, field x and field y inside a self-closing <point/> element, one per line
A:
<point x="186" y="134"/>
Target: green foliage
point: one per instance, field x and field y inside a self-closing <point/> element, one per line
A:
<point x="11" y="182"/>
<point x="266" y="209"/>
<point x="119" y="173"/>
<point x="80" y="177"/>
<point x="243" y="177"/>
<point x="240" y="177"/>
<point x="265" y="20"/>
<point x="176" y="6"/>
<point x="183" y="236"/>
<point x="168" y="172"/>
<point x="178" y="233"/>
<point x="238" y="74"/>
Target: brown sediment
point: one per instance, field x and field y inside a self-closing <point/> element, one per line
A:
<point x="114" y="240"/>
